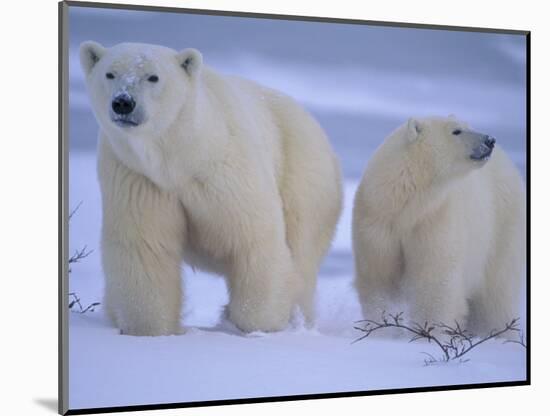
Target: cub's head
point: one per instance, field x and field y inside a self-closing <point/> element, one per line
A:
<point x="138" y="89"/>
<point x="446" y="146"/>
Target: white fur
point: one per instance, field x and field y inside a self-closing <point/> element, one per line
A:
<point x="230" y="176"/>
<point x="440" y="231"/>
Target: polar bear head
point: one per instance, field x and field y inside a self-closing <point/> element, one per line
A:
<point x="138" y="90"/>
<point x="446" y="147"/>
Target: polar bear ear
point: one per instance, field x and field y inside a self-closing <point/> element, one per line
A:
<point x="190" y="60"/>
<point x="413" y="129"/>
<point x="90" y="54"/>
<point x="451" y="116"/>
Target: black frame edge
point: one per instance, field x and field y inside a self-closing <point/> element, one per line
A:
<point x="210" y="12"/>
<point x="165" y="406"/>
<point x="528" y="192"/>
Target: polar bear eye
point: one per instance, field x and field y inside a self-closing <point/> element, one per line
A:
<point x="457" y="132"/>
<point x="109" y="75"/>
<point x="153" y="78"/>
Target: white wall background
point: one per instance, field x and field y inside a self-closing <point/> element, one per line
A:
<point x="28" y="216"/>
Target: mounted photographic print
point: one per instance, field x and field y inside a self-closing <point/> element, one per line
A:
<point x="266" y="208"/>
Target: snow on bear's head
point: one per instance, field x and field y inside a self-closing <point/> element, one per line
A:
<point x="445" y="146"/>
<point x="138" y="90"/>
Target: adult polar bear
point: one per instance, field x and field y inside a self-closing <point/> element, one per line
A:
<point x="217" y="171"/>
<point x="439" y="217"/>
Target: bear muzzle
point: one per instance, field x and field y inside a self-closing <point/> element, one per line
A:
<point x="483" y="151"/>
<point x="123" y="104"/>
<point x="123" y="111"/>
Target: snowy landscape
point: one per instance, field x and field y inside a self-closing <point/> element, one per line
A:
<point x="360" y="82"/>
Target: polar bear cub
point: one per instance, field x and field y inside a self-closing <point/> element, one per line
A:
<point x="217" y="171"/>
<point x="439" y="223"/>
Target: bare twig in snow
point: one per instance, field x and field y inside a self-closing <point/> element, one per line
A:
<point x="74" y="210"/>
<point x="520" y="341"/>
<point x="75" y="301"/>
<point x="75" y="258"/>
<point x="454" y="342"/>
<point x="79" y="255"/>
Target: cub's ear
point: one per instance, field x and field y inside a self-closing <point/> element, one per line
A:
<point x="190" y="60"/>
<point x="451" y="116"/>
<point x="413" y="129"/>
<point x="90" y="54"/>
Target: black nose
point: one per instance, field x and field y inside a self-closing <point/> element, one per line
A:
<point x="490" y="142"/>
<point x="123" y="104"/>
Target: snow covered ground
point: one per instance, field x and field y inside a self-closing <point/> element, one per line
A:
<point x="213" y="361"/>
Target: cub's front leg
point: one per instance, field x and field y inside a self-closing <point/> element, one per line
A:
<point x="434" y="276"/>
<point x="142" y="248"/>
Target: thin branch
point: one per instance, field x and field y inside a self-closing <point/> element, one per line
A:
<point x="83" y="252"/>
<point x="510" y="326"/>
<point x="74" y="210"/>
<point x="455" y="346"/>
<point x="430" y="360"/>
<point x="80" y="254"/>
<point x="75" y="258"/>
<point x="520" y="341"/>
<point x="76" y="301"/>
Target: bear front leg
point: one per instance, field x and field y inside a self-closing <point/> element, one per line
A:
<point x="378" y="266"/>
<point x="261" y="287"/>
<point x="434" y="285"/>
<point x="142" y="289"/>
<point x="142" y="248"/>
<point x="499" y="300"/>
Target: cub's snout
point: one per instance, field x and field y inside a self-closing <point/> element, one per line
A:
<point x="490" y="141"/>
<point x="483" y="151"/>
